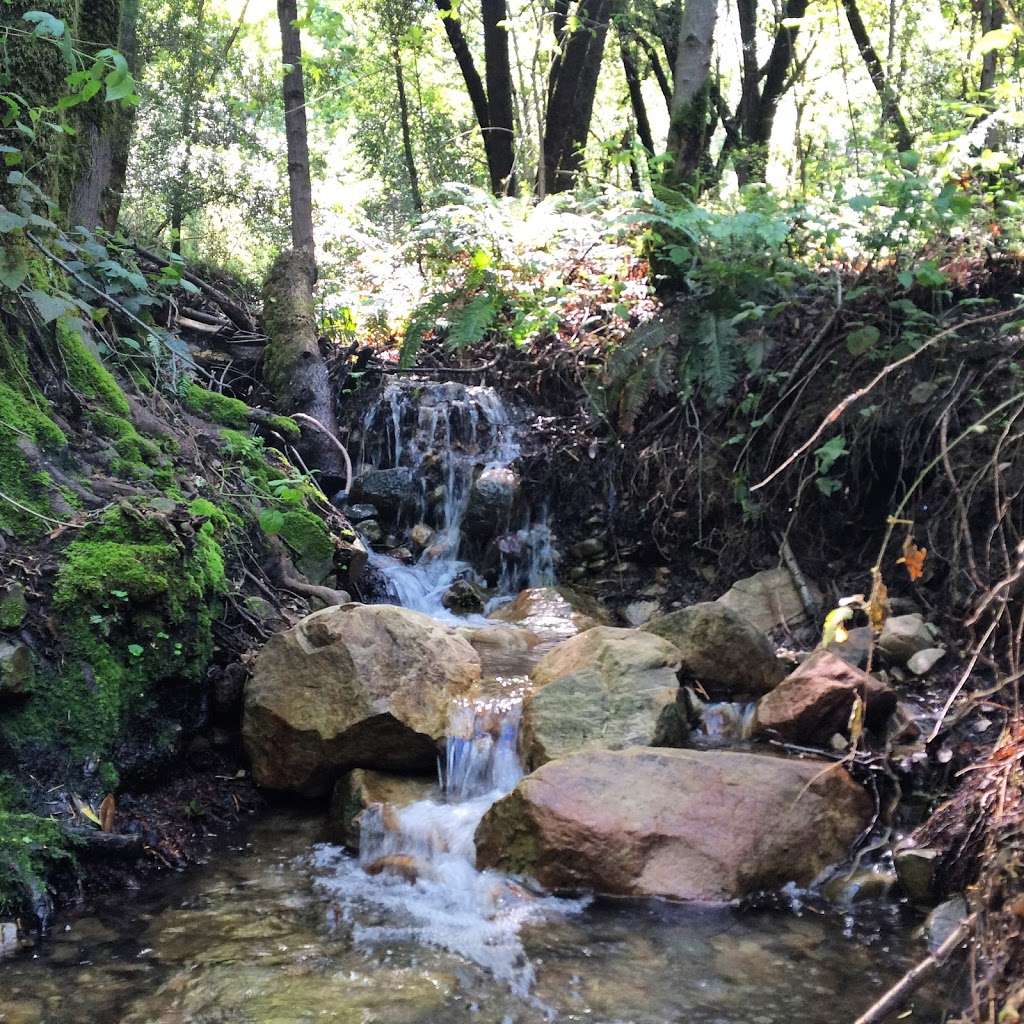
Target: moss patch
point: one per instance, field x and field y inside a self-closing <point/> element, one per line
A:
<point x="29" y="847"/>
<point x="86" y="373"/>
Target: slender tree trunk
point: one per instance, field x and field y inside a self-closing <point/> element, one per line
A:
<point x="992" y="18"/>
<point x="498" y="70"/>
<point x="689" y="130"/>
<point x="104" y="129"/>
<point x="636" y="96"/>
<point x="892" y="116"/>
<point x="571" y="96"/>
<point x="403" y="112"/>
<point x="187" y="129"/>
<point x="300" y="188"/>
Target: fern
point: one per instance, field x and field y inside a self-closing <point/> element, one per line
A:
<point x="642" y="365"/>
<point x="422" y="322"/>
<point x="467" y="324"/>
<point x="719" y="356"/>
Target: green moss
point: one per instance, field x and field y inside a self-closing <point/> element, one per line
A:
<point x="86" y="373"/>
<point x="220" y="519"/>
<point x="306" y="534"/>
<point x="29" y="846"/>
<point x="137" y="599"/>
<point x="13" y="607"/>
<point x="286" y="427"/>
<point x="220" y="409"/>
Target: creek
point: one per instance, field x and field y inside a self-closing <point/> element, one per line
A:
<point x="282" y="926"/>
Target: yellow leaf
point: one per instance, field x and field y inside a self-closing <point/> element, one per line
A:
<point x="834" y="622"/>
<point x="855" y="725"/>
<point x="85" y="810"/>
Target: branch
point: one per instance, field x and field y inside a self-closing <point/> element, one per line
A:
<point x="838" y="411"/>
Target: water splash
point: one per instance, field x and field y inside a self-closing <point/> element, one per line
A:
<point x="417" y="864"/>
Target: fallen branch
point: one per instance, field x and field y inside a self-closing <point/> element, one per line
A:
<point x="916" y="976"/>
<point x="303" y="418"/>
<point x="838" y="411"/>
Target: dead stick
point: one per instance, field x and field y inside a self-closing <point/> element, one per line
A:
<point x="916" y="976"/>
<point x="341" y="448"/>
<point x="870" y="386"/>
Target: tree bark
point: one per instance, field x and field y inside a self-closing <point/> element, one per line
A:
<point x="636" y="95"/>
<point x="299" y="185"/>
<point x="689" y="129"/>
<point x="403" y="113"/>
<point x="498" y="69"/>
<point x="573" y="86"/>
<point x="991" y="19"/>
<point x="105" y="129"/>
<point x="892" y="116"/>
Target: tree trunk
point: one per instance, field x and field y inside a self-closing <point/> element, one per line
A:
<point x="689" y="129"/>
<point x="300" y="188"/>
<point x="105" y="129"/>
<point x="892" y="116"/>
<point x="407" y="150"/>
<point x="573" y="86"/>
<point x="636" y="95"/>
<point x="498" y="70"/>
<point x="991" y="19"/>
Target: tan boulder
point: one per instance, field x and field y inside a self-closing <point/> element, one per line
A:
<point x="355" y="686"/>
<point x="814" y="702"/>
<point x="358" y="789"/>
<point x="604" y="689"/>
<point x="708" y="825"/>
<point x="729" y="657"/>
<point x="767" y="599"/>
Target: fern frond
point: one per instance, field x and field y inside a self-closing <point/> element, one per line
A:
<point x="469" y="323"/>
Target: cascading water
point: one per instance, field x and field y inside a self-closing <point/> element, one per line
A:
<point x="416" y="879"/>
<point x="464" y="438"/>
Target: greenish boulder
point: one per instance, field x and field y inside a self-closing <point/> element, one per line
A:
<point x="16" y="670"/>
<point x="13" y="606"/>
<point x="604" y="689"/>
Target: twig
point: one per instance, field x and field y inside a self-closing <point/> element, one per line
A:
<point x="341" y="448"/>
<point x="916" y="976"/>
<point x="838" y="411"/>
<point x="38" y="515"/>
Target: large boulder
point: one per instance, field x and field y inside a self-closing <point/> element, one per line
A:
<point x="387" y="489"/>
<point x="358" y="789"/>
<point x="729" y="657"/>
<point x="767" y="600"/>
<point x="356" y="686"/>
<point x="813" y="703"/>
<point x="604" y="689"/>
<point x="681" y="824"/>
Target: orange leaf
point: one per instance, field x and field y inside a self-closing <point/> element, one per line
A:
<point x="878" y="602"/>
<point x="107" y="810"/>
<point x="913" y="558"/>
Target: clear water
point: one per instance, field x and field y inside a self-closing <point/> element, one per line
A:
<point x="256" y="938"/>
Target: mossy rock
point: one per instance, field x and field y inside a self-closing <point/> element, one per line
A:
<point x="13" y="606"/>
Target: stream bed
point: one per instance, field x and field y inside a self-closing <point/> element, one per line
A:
<point x="254" y="938"/>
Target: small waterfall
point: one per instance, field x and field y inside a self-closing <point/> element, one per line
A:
<point x="454" y="438"/>
<point x="724" y="723"/>
<point x="417" y="863"/>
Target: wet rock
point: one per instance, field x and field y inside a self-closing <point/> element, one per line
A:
<point x="767" y="600"/>
<point x="904" y="635"/>
<point x="464" y="597"/>
<point x="358" y="789"/>
<point x="813" y="703"/>
<point x="680" y="824"/>
<point x="228" y="688"/>
<point x="553" y="609"/>
<point x="728" y="656"/>
<point x="361" y="512"/>
<point x="943" y="921"/>
<point x="387" y="489"/>
<point x="589" y="549"/>
<point x="93" y="844"/>
<point x="491" y="500"/>
<point x="502" y="649"/>
<point x="355" y="686"/>
<point x="355" y="556"/>
<point x="915" y="868"/>
<point x="17" y="670"/>
<point x="855" y="648"/>
<point x="604" y="689"/>
<point x="371" y="531"/>
<point x="636" y="613"/>
<point x="924" y="661"/>
<point x="421" y="535"/>
<point x="860" y="885"/>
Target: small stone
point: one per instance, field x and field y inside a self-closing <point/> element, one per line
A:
<point x="371" y="531"/>
<point x="924" y="661"/>
<point x="577" y="573"/>
<point x="16" y="669"/>
<point x="463" y="596"/>
<point x="592" y="547"/>
<point x="8" y="938"/>
<point x="261" y="608"/>
<point x="403" y="555"/>
<point x="915" y="867"/>
<point x="636" y="613"/>
<point x="421" y="535"/>
<point x="864" y="884"/>
<point x="904" y="635"/>
<point x="944" y="920"/>
<point x="361" y="512"/>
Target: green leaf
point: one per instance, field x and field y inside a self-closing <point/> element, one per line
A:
<point x="905" y="278"/>
<point x="271" y="521"/>
<point x="862" y="340"/>
<point x="50" y="307"/>
<point x="13" y="269"/>
<point x="136" y="650"/>
<point x="997" y="39"/>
